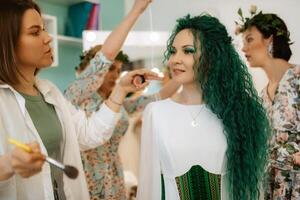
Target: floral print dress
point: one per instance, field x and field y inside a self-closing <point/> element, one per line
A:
<point x="102" y="165"/>
<point x="283" y="181"/>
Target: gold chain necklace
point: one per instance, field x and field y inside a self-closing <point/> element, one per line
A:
<point x="194" y="122"/>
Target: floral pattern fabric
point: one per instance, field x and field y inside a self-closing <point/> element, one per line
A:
<point x="102" y="165"/>
<point x="283" y="182"/>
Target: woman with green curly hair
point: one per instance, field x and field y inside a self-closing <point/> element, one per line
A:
<point x="208" y="141"/>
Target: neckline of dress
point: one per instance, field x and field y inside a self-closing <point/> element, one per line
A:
<point x="186" y="105"/>
<point x="276" y="91"/>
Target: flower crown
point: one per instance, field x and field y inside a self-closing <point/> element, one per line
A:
<point x="240" y="27"/>
<point x="267" y="22"/>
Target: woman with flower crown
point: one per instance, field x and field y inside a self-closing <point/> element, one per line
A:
<point x="209" y="141"/>
<point x="267" y="45"/>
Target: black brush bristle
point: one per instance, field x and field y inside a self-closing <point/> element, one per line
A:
<point x="71" y="171"/>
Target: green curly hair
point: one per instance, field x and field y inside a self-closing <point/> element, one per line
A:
<point x="227" y="89"/>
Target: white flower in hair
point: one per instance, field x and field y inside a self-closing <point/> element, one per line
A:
<point x="253" y="9"/>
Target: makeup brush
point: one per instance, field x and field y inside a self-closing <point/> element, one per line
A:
<point x="138" y="80"/>
<point x="69" y="170"/>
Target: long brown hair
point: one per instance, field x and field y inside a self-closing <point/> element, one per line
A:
<point x="11" y="14"/>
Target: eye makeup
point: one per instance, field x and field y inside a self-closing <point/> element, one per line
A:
<point x="189" y="50"/>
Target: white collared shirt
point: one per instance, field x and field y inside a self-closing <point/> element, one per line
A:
<point x="79" y="133"/>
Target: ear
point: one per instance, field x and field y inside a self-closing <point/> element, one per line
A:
<point x="269" y="40"/>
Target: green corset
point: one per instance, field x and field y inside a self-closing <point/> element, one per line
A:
<point x="197" y="184"/>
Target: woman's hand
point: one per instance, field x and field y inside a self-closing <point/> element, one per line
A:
<point x="27" y="164"/>
<point x="141" y="5"/>
<point x="129" y="85"/>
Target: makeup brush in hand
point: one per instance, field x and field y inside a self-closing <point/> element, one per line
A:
<point x="70" y="171"/>
<point x="138" y="80"/>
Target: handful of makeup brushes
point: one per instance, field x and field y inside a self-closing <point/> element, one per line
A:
<point x="69" y="170"/>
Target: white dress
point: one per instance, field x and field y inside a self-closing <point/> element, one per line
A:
<point x="171" y="146"/>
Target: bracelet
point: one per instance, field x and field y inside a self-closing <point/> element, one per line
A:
<point x="119" y="104"/>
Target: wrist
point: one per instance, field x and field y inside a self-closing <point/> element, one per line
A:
<point x="116" y="98"/>
<point x="114" y="101"/>
<point x="138" y="9"/>
<point x="10" y="166"/>
<point x="119" y="91"/>
<point x="7" y="170"/>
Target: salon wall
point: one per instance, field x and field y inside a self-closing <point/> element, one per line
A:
<point x="112" y="11"/>
<point x="165" y="12"/>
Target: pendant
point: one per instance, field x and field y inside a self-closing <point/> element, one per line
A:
<point x="194" y="123"/>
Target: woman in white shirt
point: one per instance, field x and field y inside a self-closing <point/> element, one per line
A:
<point x="208" y="141"/>
<point x="35" y="110"/>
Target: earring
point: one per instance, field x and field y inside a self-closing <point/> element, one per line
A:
<point x="270" y="49"/>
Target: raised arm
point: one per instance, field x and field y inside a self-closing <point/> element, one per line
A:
<point x="115" y="40"/>
<point x="92" y="77"/>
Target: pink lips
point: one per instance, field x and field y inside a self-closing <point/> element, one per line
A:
<point x="178" y="71"/>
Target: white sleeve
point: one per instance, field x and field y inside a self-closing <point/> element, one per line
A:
<point x="149" y="187"/>
<point x="96" y="129"/>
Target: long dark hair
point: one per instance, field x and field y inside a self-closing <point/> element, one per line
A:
<point x="228" y="91"/>
<point x="11" y="14"/>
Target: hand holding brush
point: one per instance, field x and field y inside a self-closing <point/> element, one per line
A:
<point x="28" y="160"/>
